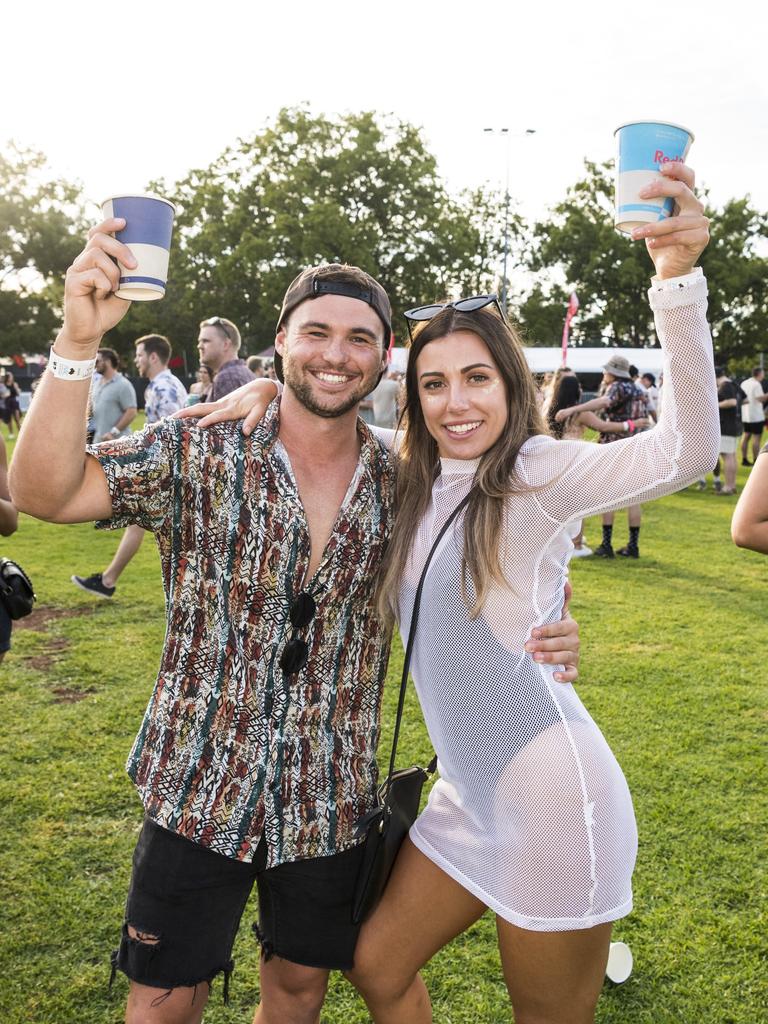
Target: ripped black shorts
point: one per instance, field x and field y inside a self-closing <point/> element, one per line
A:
<point x="191" y="899"/>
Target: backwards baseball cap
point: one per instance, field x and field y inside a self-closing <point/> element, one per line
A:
<point x="618" y="366"/>
<point x="335" y="279"/>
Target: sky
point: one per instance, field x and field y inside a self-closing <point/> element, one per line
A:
<point x="117" y="95"/>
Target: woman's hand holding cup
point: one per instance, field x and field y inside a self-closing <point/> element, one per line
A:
<point x="676" y="243"/>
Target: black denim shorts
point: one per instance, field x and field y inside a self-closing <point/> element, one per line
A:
<point x="191" y="899"/>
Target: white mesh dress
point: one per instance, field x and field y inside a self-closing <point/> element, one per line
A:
<point x="531" y="812"/>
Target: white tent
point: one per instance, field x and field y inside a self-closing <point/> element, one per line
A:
<point x="592" y="360"/>
<point x="580" y="360"/>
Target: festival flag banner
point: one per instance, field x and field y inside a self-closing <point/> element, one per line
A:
<point x="572" y="310"/>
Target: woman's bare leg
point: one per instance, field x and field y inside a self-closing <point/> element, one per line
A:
<point x="421" y="911"/>
<point x="553" y="977"/>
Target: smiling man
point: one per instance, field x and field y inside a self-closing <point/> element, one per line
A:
<point x="256" y="758"/>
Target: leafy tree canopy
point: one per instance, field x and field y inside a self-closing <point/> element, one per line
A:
<point x="41" y="231"/>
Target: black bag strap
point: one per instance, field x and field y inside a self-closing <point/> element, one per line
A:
<point x="412" y="636"/>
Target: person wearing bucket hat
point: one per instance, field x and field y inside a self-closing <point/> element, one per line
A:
<point x="618" y="366"/>
<point x="256" y="759"/>
<point x="620" y="401"/>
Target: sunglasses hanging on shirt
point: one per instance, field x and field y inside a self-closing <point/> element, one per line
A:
<point x="296" y="651"/>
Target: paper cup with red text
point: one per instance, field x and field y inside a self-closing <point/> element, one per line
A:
<point x="642" y="147"/>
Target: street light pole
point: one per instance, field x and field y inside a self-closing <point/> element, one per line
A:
<point x="506" y="132"/>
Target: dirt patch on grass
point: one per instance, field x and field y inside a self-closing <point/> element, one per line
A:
<point x="66" y="695"/>
<point x="41" y="617"/>
<point x="53" y="647"/>
<point x="45" y="658"/>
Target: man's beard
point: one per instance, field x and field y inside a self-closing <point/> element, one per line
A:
<point x="302" y="389"/>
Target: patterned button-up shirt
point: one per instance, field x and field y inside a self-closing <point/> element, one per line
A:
<point x="230" y="747"/>
<point x="625" y="402"/>
<point x="164" y="395"/>
<point x="228" y="377"/>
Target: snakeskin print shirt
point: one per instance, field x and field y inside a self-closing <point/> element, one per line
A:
<point x="231" y="748"/>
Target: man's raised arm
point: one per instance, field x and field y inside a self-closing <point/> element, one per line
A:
<point x="51" y="477"/>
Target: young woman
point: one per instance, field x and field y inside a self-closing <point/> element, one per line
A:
<point x="565" y="393"/>
<point x="531" y="816"/>
<point x="203" y="380"/>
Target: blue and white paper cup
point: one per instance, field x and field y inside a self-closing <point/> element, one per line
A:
<point x="147" y="233"/>
<point x="642" y="147"/>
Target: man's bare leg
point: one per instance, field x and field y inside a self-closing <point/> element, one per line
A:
<point x="290" y="993"/>
<point x="148" y="1005"/>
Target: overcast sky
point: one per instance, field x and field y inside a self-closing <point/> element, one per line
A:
<point x="119" y="94"/>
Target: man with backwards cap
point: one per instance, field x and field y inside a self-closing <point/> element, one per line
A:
<point x="256" y="758"/>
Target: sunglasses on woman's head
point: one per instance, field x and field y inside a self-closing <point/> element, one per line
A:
<point x="468" y="305"/>
<point x="296" y="651"/>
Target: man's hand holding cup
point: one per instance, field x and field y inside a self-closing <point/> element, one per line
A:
<point x="90" y="306"/>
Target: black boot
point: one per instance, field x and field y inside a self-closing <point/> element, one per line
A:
<point x="604" y="551"/>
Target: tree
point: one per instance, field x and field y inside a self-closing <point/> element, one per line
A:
<point x="611" y="273"/>
<point x="41" y="231"/>
<point x="738" y="283"/>
<point x="360" y="189"/>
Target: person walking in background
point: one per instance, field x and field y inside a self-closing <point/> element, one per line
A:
<point x="749" y="526"/>
<point x="164" y="395"/>
<point x="384" y="400"/>
<point x="729" y="405"/>
<point x="12" y="411"/>
<point x="621" y="402"/>
<point x="652" y="394"/>
<point x="4" y="393"/>
<point x="113" y="401"/>
<point x="753" y="414"/>
<point x="9" y="520"/>
<point x="218" y="344"/>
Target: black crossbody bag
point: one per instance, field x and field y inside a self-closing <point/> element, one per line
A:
<point x="16" y="591"/>
<point x="386" y="826"/>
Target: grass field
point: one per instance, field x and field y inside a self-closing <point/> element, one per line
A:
<point x="672" y="671"/>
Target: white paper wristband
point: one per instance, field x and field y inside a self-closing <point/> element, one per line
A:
<point x="70" y="369"/>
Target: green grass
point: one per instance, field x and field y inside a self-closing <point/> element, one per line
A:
<point x="672" y="671"/>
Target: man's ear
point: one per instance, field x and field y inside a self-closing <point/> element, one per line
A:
<point x="386" y="358"/>
<point x="280" y="341"/>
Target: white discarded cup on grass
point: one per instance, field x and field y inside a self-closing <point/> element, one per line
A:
<point x="642" y="147"/>
<point x="619" y="965"/>
<point x="147" y="233"/>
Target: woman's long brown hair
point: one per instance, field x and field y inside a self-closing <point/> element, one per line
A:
<point x="495" y="477"/>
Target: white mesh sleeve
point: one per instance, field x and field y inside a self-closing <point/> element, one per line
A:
<point x="578" y="479"/>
